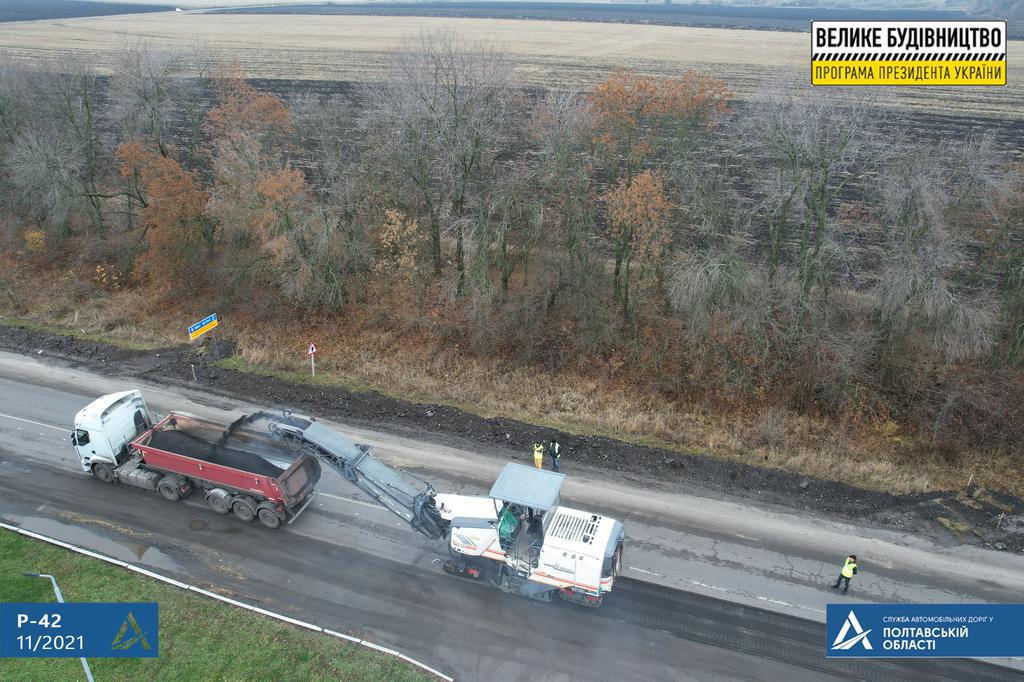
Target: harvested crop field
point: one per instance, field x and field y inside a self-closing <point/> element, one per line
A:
<point x="719" y="16"/>
<point x="30" y="10"/>
<point x="548" y="53"/>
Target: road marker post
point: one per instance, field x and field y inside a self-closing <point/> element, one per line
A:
<point x="312" y="363"/>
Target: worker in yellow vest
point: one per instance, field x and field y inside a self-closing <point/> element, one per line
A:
<point x="849" y="570"/>
<point x="538" y="455"/>
<point x="555" y="450"/>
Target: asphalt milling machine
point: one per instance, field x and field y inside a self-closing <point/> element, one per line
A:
<point x="519" y="538"/>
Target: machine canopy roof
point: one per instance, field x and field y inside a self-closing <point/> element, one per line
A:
<point x="528" y="486"/>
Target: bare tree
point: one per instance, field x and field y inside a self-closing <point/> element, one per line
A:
<point x="53" y="161"/>
<point x="15" y="104"/>
<point x="144" y="93"/>
<point x="442" y="118"/>
<point x="15" y="112"/>
<point x="45" y="168"/>
<point x="920" y="289"/>
<point x="815" y="143"/>
<point x="510" y="224"/>
<point x="317" y="261"/>
<point x="561" y="124"/>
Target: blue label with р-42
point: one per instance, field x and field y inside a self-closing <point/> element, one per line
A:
<point x="89" y="629"/>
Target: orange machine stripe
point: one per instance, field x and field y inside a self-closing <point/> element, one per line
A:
<point x="573" y="582"/>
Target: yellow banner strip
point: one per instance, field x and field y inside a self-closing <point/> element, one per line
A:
<point x="908" y="73"/>
<point x="202" y="330"/>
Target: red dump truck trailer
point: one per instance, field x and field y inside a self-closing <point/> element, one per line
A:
<point x="237" y="468"/>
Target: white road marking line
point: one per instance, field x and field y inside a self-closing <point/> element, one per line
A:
<point x="29" y="421"/>
<point x="726" y="589"/>
<point x="710" y="587"/>
<point x="644" y="570"/>
<point x="773" y="601"/>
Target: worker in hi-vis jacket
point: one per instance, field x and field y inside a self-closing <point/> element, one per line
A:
<point x="555" y="450"/>
<point x="848" y="571"/>
<point x="538" y="455"/>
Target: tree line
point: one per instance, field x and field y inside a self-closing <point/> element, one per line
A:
<point x="806" y="247"/>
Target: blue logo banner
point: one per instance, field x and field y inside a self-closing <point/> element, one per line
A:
<point x="924" y="630"/>
<point x="71" y="630"/>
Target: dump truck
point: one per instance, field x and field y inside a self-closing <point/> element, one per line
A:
<point x="235" y="467"/>
<point x="519" y="537"/>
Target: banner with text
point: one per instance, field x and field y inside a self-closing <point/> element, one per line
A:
<point x="924" y="630"/>
<point x="908" y="53"/>
<point x="75" y="629"/>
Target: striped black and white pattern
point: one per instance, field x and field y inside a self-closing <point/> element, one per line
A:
<point x="904" y="57"/>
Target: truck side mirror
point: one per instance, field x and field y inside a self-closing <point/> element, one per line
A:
<point x="74" y="438"/>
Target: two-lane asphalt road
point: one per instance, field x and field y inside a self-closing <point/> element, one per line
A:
<point x="349" y="565"/>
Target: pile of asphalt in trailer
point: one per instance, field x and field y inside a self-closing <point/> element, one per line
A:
<point x="184" y="443"/>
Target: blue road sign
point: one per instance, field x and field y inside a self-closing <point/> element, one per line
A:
<point x="202" y="326"/>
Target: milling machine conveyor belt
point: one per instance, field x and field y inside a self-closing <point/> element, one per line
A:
<point x="398" y="491"/>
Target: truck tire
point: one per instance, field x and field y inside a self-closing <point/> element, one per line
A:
<point x="244" y="508"/>
<point x="168" y="490"/>
<point x="104" y="472"/>
<point x="268" y="517"/>
<point x="219" y="500"/>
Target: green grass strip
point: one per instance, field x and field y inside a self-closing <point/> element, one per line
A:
<point x="200" y="639"/>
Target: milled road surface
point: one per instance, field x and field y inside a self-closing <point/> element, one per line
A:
<point x="349" y="565"/>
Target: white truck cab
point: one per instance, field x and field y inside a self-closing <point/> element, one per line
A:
<point x="104" y="427"/>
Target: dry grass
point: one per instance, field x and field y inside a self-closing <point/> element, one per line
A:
<point x="548" y="53"/>
<point x="875" y="456"/>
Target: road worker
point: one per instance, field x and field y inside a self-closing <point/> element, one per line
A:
<point x="555" y="450"/>
<point x="538" y="455"/>
<point x="849" y="570"/>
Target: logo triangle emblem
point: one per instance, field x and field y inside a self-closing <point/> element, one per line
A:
<point x="120" y="643"/>
<point x="860" y="635"/>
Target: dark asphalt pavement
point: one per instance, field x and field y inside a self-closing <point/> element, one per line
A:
<point x="351" y="567"/>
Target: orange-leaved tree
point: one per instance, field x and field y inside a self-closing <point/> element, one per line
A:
<point x="257" y="194"/>
<point x="634" y="114"/>
<point x="281" y="194"/>
<point x="241" y="109"/>
<point x="174" y="215"/>
<point x="637" y="213"/>
<point x="401" y="242"/>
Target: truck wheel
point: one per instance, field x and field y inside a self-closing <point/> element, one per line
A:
<point x="269" y="517"/>
<point x="103" y="472"/>
<point x="219" y="501"/>
<point x="168" y="490"/>
<point x="243" y="510"/>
